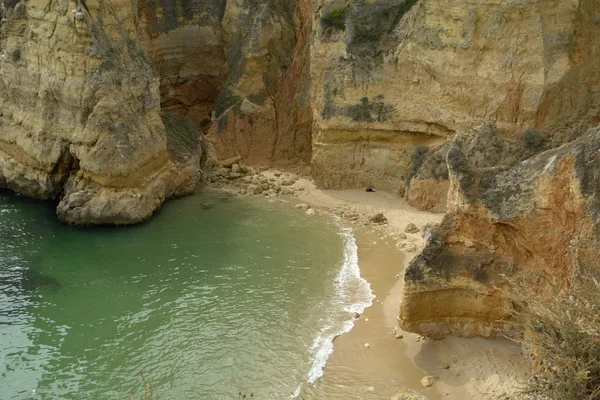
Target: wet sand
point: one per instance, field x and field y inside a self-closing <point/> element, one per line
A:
<point x="356" y="372"/>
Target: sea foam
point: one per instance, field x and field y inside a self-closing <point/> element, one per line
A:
<point x="353" y="295"/>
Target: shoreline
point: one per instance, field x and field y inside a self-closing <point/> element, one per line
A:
<point x="463" y="368"/>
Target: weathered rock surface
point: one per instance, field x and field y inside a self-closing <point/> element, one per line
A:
<point x="80" y="114"/>
<point x="263" y="112"/>
<point x="407" y="394"/>
<point x="82" y="88"/>
<point x="391" y="82"/>
<point x="535" y="221"/>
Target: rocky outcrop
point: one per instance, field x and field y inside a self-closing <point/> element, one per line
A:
<point x="92" y="95"/>
<point x="399" y="75"/>
<point x="427" y="181"/>
<point x="80" y="118"/>
<point x="535" y="221"/>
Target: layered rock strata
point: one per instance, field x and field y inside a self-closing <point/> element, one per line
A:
<point x="263" y="112"/>
<point x="534" y="222"/>
<point x="399" y="77"/>
<point x="82" y="86"/>
<point x="80" y="118"/>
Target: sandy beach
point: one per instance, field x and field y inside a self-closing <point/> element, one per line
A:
<point x="370" y="362"/>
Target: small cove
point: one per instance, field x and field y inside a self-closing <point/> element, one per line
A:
<point x="212" y="297"/>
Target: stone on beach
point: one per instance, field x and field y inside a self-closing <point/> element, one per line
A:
<point x="407" y="394"/>
<point x="428" y="381"/>
<point x="411" y="228"/>
<point x="228" y="163"/>
<point x="379" y="218"/>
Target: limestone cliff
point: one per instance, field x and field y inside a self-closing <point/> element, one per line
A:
<point x="369" y="93"/>
<point x="92" y="96"/>
<point x="535" y="221"/>
<point x="399" y="75"/>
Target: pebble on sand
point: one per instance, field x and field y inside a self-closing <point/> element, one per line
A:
<point x="428" y="381"/>
<point x="367" y="345"/>
<point x="411" y="228"/>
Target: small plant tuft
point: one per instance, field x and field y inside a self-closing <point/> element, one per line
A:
<point x="563" y="343"/>
<point x="335" y="19"/>
<point x="533" y="139"/>
<point x="368" y="35"/>
<point x="15" y="54"/>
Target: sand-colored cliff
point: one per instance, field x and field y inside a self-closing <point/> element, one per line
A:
<point x="83" y="86"/>
<point x="532" y="224"/>
<point x="397" y="78"/>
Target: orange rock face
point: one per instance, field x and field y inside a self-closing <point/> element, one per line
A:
<point x="534" y="221"/>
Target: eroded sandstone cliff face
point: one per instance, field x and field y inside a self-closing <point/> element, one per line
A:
<point x="263" y="112"/>
<point x="401" y="77"/>
<point x="102" y="102"/>
<point x="80" y="117"/>
<point x="370" y="100"/>
<point x="535" y="221"/>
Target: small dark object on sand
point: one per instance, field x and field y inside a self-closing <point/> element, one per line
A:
<point x="370" y="190"/>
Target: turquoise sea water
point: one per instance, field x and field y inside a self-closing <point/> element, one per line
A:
<point x="213" y="297"/>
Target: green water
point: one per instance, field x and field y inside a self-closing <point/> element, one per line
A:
<point x="212" y="297"/>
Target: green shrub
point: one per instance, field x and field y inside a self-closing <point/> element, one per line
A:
<point x="335" y="18"/>
<point x="15" y="54"/>
<point x="368" y="35"/>
<point x="533" y="139"/>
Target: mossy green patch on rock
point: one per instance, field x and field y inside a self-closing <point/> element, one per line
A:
<point x="335" y="18"/>
<point x="369" y="111"/>
<point x="227" y="99"/>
